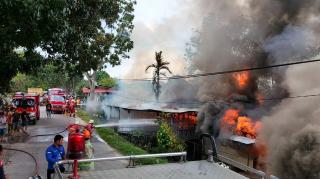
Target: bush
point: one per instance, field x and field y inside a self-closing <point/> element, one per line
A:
<point x="167" y="140"/>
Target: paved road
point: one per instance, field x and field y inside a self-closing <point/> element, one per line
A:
<point x="22" y="166"/>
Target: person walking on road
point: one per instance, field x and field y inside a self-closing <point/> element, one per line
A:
<point x="9" y="118"/>
<point x="48" y="109"/>
<point x="24" y="122"/>
<point x="55" y="153"/>
<point x="15" y="122"/>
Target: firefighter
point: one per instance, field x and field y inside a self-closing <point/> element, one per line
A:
<point x="72" y="107"/>
<point x="67" y="108"/>
<point x="90" y="126"/>
<point x="88" y="151"/>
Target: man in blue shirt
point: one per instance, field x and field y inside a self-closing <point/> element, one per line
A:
<point x="55" y="153"/>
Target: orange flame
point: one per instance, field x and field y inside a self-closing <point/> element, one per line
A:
<point x="245" y="127"/>
<point x="242" y="79"/>
<point x="230" y="117"/>
<point x="240" y="125"/>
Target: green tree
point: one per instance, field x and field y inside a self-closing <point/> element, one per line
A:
<point x="21" y="82"/>
<point x="104" y="79"/>
<point x="48" y="76"/>
<point x="159" y="66"/>
<point x="83" y="34"/>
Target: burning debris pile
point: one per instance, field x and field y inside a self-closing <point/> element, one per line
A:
<point x="232" y="122"/>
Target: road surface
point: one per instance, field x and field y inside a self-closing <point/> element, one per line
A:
<point x="21" y="166"/>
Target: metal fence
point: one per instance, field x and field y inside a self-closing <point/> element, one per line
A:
<point x="131" y="159"/>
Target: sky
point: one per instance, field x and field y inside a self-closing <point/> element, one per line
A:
<point x="159" y="25"/>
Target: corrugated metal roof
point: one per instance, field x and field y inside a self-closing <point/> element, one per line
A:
<point x="243" y="140"/>
<point x="146" y="107"/>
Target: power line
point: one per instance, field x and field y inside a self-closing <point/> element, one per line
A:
<point x="224" y="72"/>
<point x="217" y="101"/>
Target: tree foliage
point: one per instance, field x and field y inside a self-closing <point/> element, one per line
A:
<point x="104" y="79"/>
<point x="84" y="35"/>
<point x="159" y="66"/>
<point x="48" y="76"/>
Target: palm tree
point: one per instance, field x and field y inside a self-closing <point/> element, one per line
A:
<point x="159" y="66"/>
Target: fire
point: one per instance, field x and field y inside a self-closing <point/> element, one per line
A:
<point x="240" y="125"/>
<point x="242" y="79"/>
<point x="184" y="120"/>
<point x="245" y="127"/>
<point x="230" y="117"/>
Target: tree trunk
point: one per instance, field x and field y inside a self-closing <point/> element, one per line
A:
<point x="92" y="83"/>
<point x="158" y="85"/>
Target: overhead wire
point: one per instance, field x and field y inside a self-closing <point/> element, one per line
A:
<point x="215" y="101"/>
<point x="222" y="72"/>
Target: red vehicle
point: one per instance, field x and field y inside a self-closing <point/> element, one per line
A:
<point x="57" y="102"/>
<point x="57" y="91"/>
<point x="29" y="103"/>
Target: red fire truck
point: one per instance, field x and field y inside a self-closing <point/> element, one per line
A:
<point x="27" y="102"/>
<point x="57" y="102"/>
<point x="57" y="98"/>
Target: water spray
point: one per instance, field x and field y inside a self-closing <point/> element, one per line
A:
<point x="127" y="124"/>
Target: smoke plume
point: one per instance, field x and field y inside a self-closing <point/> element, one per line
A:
<point x="292" y="131"/>
<point x="249" y="33"/>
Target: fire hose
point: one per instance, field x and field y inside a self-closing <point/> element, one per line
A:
<point x="36" y="170"/>
<point x="41" y="135"/>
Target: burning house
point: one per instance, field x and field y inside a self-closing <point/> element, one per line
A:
<point x="183" y="120"/>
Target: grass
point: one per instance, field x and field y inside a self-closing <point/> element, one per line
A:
<point x="119" y="143"/>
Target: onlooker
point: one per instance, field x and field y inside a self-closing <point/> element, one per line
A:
<point x="9" y="116"/>
<point x="49" y="109"/>
<point x="2" y="175"/>
<point x="55" y="153"/>
<point x="15" y="122"/>
<point x="24" y="122"/>
<point x="2" y="126"/>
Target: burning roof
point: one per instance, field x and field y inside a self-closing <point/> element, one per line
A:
<point x="154" y="107"/>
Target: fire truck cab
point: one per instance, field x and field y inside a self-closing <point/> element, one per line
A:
<point x="57" y="98"/>
<point x="57" y="102"/>
<point x="30" y="103"/>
